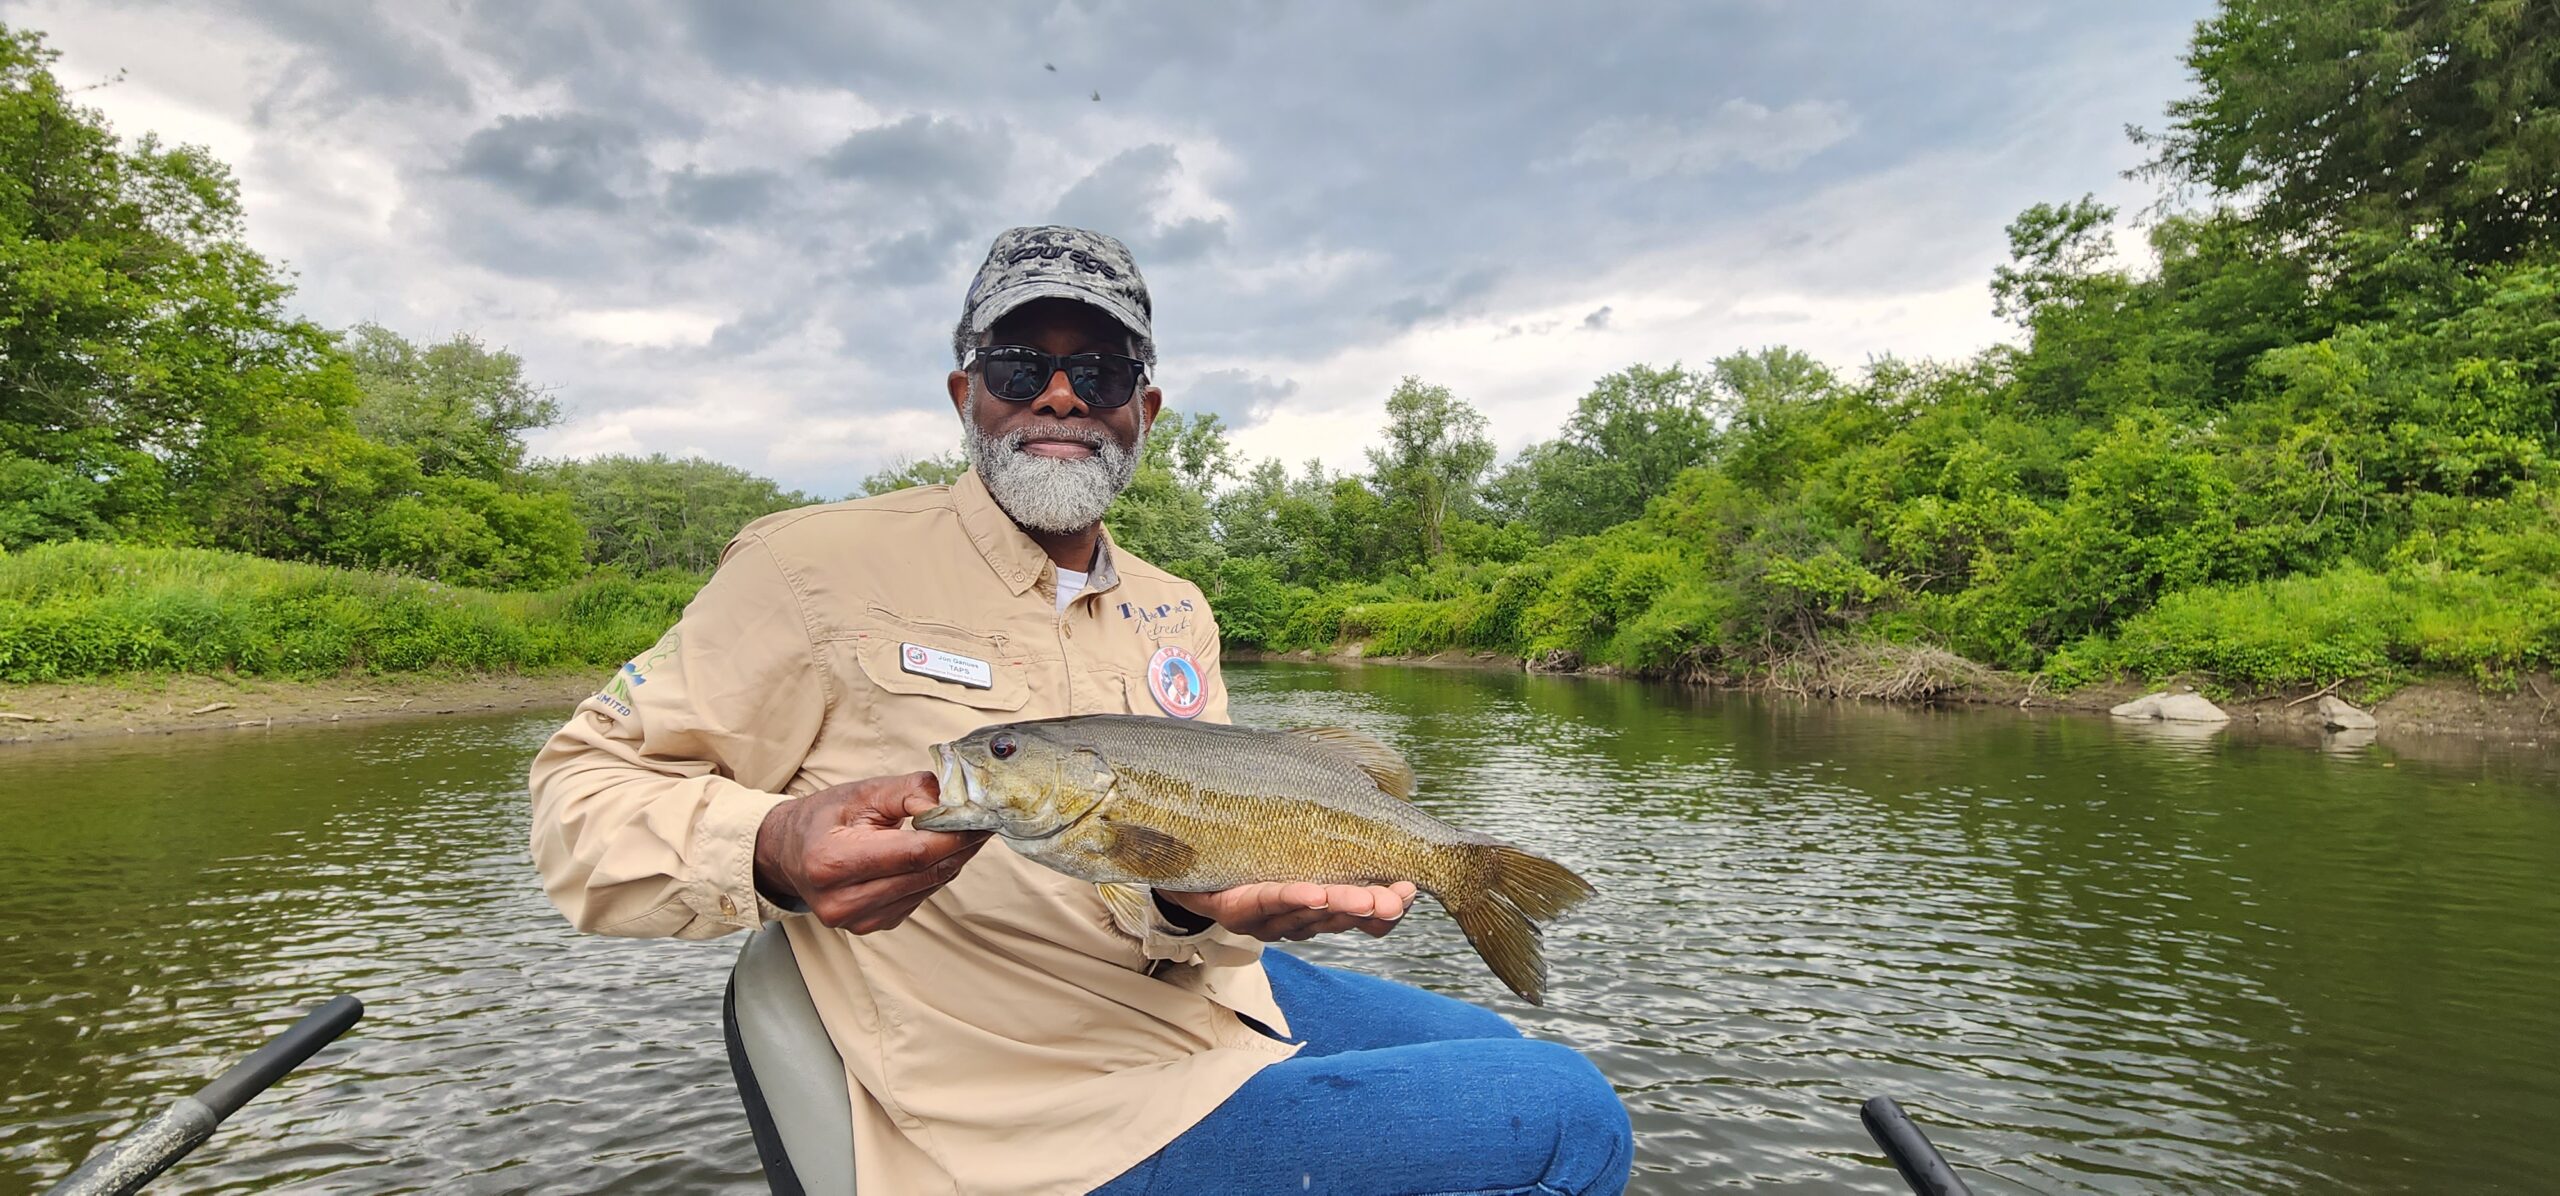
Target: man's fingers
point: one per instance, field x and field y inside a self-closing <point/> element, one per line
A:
<point x="866" y="906"/>
<point x="888" y="801"/>
<point x="889" y="916"/>
<point x="1363" y="901"/>
<point x="863" y="854"/>
<point x="1248" y="904"/>
<point x="1300" y="924"/>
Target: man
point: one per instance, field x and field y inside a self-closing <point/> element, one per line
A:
<point x="1004" y="1027"/>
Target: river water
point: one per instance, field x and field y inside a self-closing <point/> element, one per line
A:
<point x="2087" y="958"/>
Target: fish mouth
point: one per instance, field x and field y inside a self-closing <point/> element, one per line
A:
<point x="964" y="798"/>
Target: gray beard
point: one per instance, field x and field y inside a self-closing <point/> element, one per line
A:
<point x="1050" y="494"/>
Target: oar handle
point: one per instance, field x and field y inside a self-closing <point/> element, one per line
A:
<point x="1921" y="1165"/>
<point x="121" y="1167"/>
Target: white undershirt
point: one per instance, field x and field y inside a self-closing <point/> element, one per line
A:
<point x="1070" y="584"/>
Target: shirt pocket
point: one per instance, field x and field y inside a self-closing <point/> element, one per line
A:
<point x="1111" y="691"/>
<point x="880" y="649"/>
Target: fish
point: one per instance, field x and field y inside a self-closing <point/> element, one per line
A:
<point x="1120" y="799"/>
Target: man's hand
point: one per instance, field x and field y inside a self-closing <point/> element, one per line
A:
<point x="841" y="852"/>
<point x="1300" y="910"/>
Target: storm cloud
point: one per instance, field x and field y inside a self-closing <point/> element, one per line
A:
<point x="744" y="230"/>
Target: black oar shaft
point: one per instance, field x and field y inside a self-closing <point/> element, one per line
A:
<point x="121" y="1167"/>
<point x="1921" y="1165"/>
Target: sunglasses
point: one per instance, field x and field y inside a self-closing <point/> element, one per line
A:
<point x="1018" y="373"/>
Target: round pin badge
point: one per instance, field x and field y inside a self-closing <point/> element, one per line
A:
<point x="915" y="655"/>
<point x="1174" y="678"/>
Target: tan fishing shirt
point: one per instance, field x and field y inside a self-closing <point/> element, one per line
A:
<point x="1008" y="1037"/>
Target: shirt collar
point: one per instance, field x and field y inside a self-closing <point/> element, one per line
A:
<point x="1017" y="559"/>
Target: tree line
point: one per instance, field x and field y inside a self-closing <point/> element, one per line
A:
<point x="155" y="390"/>
<point x="2310" y="436"/>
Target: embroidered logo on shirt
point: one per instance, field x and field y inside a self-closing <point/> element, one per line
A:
<point x="1174" y="679"/>
<point x="1151" y="614"/>
<point x="946" y="666"/>
<point x="634" y="673"/>
<point x="1158" y="621"/>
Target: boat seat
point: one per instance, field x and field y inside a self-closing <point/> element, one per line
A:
<point x="788" y="1072"/>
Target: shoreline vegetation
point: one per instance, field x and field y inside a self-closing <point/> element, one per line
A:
<point x="2309" y="441"/>
<point x="170" y="703"/>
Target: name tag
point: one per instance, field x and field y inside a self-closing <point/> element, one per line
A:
<point x="946" y="666"/>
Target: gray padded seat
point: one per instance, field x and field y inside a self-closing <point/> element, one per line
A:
<point x="788" y="1071"/>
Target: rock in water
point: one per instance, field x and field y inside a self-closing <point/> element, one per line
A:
<point x="2174" y="708"/>
<point x="2338" y="714"/>
<point x="2146" y="706"/>
<point x="2191" y="708"/>
<point x="1197" y="807"/>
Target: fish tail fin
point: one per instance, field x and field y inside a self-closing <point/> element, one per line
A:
<point x="1499" y="912"/>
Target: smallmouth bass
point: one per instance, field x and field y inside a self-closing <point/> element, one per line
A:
<point x="1198" y="807"/>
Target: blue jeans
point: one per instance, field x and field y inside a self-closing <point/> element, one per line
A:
<point x="1399" y="1091"/>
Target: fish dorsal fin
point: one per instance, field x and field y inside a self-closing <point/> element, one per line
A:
<point x="1372" y="757"/>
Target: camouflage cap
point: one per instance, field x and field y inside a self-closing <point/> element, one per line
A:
<point x="1056" y="262"/>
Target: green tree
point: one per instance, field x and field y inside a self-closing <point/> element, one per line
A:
<point x="1436" y="453"/>
<point x="1193" y="447"/>
<point x="2053" y="253"/>
<point x="1626" y="440"/>
<point x="1770" y="396"/>
<point x="644" y="514"/>
<point x="458" y="406"/>
<point x="1164" y="515"/>
<point x="147" y="365"/>
<point x="939" y="470"/>
<point x="1248" y="515"/>
<point x="2404" y="118"/>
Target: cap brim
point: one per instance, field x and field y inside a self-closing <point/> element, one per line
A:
<point x="996" y="306"/>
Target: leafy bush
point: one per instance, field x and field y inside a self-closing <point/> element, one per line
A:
<point x="87" y="610"/>
<point x="2348" y="622"/>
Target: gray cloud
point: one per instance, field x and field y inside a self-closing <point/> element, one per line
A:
<point x="920" y="152"/>
<point x="922" y="257"/>
<point x="1241" y="398"/>
<point x="574" y="160"/>
<point x="1125" y="196"/>
<point x="350" y="53"/>
<point x="1736" y="131"/>
<point x="721" y="197"/>
<point x="1301" y="183"/>
<point x="1457" y="294"/>
<point x="754" y="330"/>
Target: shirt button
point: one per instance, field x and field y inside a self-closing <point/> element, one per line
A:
<point x="728" y="906"/>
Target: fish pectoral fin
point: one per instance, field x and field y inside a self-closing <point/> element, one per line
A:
<point x="1378" y="760"/>
<point x="1148" y="852"/>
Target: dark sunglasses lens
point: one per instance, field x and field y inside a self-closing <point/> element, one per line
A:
<point x="1014" y="374"/>
<point x="1102" y="381"/>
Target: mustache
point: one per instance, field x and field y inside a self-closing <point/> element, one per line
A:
<point x="1092" y="438"/>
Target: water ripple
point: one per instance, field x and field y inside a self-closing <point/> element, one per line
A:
<point x="2086" y="960"/>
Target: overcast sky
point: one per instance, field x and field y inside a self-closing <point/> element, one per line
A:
<point x="743" y="230"/>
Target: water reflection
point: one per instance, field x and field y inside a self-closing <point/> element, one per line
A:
<point x="2085" y="958"/>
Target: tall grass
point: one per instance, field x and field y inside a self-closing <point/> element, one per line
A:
<point x="1650" y="609"/>
<point x="88" y="610"/>
<point x="2348" y="622"/>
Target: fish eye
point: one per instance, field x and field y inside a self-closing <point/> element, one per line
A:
<point x="1001" y="747"/>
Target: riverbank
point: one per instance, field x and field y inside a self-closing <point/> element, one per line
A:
<point x="2528" y="714"/>
<point x="167" y="704"/>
